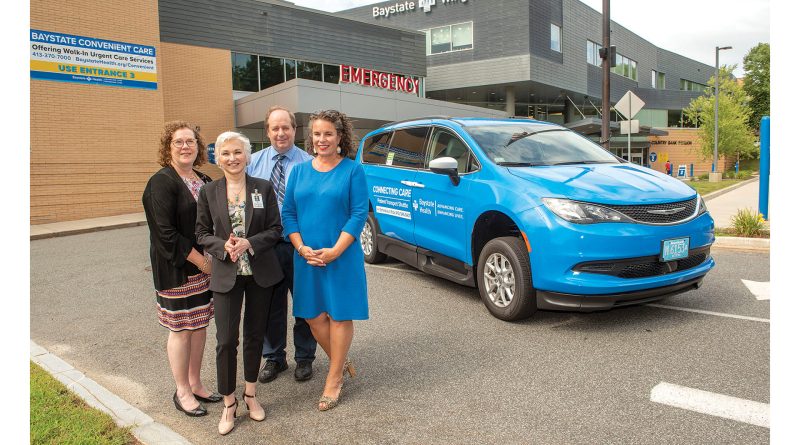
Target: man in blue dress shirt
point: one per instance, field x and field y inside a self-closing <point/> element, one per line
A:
<point x="275" y="163"/>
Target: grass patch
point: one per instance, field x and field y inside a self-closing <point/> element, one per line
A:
<point x="705" y="187"/>
<point x="60" y="417"/>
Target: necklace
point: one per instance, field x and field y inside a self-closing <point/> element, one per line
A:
<point x="236" y="195"/>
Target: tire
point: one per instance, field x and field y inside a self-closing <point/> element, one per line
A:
<point x="508" y="295"/>
<point x="369" y="242"/>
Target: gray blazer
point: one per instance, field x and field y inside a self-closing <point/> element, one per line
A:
<point x="262" y="228"/>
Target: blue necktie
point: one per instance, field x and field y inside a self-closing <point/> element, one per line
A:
<point x="278" y="177"/>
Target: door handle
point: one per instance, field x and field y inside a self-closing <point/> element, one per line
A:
<point x="413" y="184"/>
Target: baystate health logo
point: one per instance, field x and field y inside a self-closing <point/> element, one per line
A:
<point x="407" y="6"/>
<point x="426" y="4"/>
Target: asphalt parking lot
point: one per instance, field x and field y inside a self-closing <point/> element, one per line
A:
<point x="433" y="365"/>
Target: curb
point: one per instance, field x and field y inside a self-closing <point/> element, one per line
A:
<point x="740" y="243"/>
<point x="146" y="430"/>
<point x="713" y="195"/>
<point x="68" y="232"/>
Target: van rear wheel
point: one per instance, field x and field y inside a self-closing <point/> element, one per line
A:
<point x="369" y="242"/>
<point x="504" y="279"/>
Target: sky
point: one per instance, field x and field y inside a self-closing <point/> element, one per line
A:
<point x="692" y="28"/>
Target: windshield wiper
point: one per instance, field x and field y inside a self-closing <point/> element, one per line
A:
<point x="580" y="162"/>
<point x="519" y="136"/>
<point x="519" y="164"/>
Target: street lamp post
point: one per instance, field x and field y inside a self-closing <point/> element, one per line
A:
<point x="716" y="108"/>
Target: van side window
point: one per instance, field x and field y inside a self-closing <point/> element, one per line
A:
<point x="375" y="148"/>
<point x="446" y="144"/>
<point x="407" y="148"/>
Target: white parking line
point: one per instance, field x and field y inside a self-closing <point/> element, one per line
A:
<point x="717" y="314"/>
<point x="720" y="405"/>
<point x="759" y="289"/>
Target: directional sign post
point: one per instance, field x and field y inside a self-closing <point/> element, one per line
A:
<point x="628" y="106"/>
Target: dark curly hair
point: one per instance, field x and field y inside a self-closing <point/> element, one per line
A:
<point x="164" y="155"/>
<point x="344" y="128"/>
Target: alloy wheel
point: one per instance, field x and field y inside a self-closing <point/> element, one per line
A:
<point x="498" y="280"/>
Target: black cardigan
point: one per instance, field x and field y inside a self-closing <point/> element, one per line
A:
<point x="171" y="213"/>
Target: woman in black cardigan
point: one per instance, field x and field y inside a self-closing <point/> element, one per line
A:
<point x="181" y="273"/>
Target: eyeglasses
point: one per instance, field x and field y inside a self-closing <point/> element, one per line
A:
<point x="178" y="143"/>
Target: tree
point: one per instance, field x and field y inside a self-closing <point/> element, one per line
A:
<point x="756" y="82"/>
<point x="735" y="137"/>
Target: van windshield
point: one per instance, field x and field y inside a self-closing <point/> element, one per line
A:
<point x="531" y="145"/>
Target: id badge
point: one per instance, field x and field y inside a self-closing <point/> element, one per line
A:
<point x="258" y="202"/>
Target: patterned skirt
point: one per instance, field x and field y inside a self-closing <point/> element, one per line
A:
<point x="186" y="307"/>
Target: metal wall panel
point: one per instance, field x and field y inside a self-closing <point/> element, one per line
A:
<point x="283" y="30"/>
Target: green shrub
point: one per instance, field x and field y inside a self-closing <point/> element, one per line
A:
<point x="703" y="177"/>
<point x="742" y="174"/>
<point x="747" y="223"/>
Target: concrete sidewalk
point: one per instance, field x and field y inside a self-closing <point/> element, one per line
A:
<point x="41" y="231"/>
<point x="724" y="204"/>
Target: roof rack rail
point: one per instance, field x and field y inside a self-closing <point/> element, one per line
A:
<point x="416" y="119"/>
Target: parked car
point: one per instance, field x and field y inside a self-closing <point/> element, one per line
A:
<point x="533" y="214"/>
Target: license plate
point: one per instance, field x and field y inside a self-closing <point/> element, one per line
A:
<point x="674" y="249"/>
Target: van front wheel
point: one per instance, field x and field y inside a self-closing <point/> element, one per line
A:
<point x="369" y="242"/>
<point x="504" y="279"/>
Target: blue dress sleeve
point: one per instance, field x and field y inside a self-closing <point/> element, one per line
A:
<point x="289" y="212"/>
<point x="359" y="202"/>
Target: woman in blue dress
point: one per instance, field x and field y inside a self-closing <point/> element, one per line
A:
<point x="324" y="210"/>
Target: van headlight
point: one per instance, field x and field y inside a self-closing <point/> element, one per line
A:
<point x="583" y="212"/>
<point x="702" y="206"/>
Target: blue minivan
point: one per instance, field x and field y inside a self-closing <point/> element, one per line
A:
<point x="533" y="214"/>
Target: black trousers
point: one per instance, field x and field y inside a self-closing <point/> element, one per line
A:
<point x="227" y="315"/>
<point x="275" y="340"/>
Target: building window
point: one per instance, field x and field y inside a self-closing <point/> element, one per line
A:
<point x="270" y="70"/>
<point x="626" y="67"/>
<point x="330" y="73"/>
<point x="555" y="37"/>
<point x="593" y="53"/>
<point x="290" y="69"/>
<point x="688" y="85"/>
<point x="445" y="39"/>
<point x="658" y="80"/>
<point x="309" y="70"/>
<point x="245" y="72"/>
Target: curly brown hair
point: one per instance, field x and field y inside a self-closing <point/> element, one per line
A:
<point x="164" y="155"/>
<point x="344" y="128"/>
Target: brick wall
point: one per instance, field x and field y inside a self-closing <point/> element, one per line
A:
<point x="682" y="146"/>
<point x="197" y="88"/>
<point x="93" y="147"/>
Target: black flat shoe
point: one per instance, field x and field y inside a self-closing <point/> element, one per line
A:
<point x="214" y="397"/>
<point x="197" y="412"/>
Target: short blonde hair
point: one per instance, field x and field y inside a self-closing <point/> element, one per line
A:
<point x="228" y="136"/>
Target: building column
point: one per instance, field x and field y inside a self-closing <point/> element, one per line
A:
<point x="511" y="101"/>
<point x="569" y="111"/>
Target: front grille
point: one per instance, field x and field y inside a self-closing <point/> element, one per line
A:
<point x="643" y="267"/>
<point x="641" y="213"/>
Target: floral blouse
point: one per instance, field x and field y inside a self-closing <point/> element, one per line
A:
<point x="236" y="213"/>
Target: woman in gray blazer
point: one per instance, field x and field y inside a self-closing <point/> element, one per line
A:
<point x="238" y="223"/>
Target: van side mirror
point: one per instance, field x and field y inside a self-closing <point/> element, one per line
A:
<point x="446" y="166"/>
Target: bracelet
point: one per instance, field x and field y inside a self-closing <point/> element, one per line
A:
<point x="204" y="268"/>
<point x="300" y="248"/>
